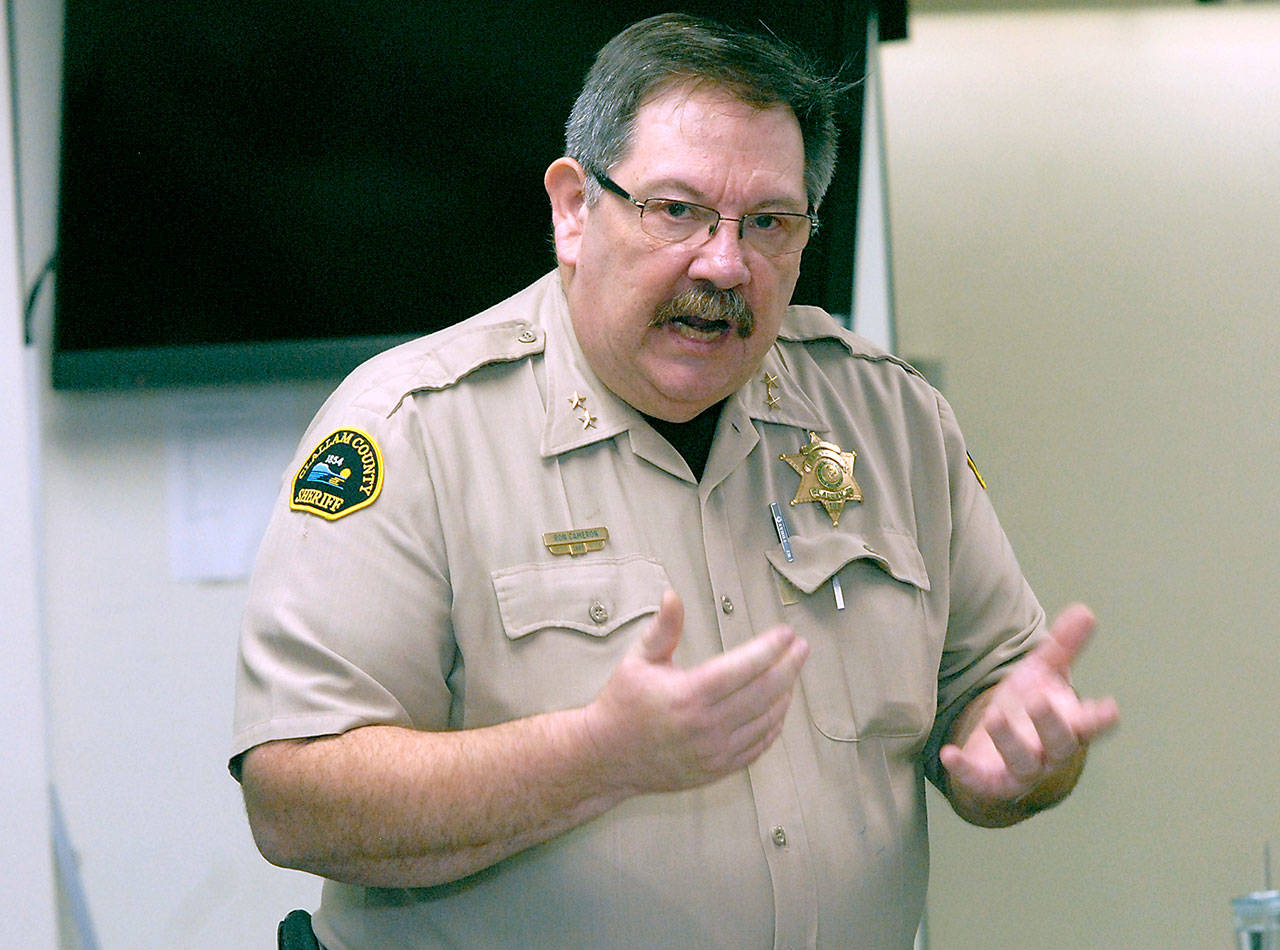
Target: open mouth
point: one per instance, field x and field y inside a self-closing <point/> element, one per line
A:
<point x="698" y="328"/>
<point x="703" y="314"/>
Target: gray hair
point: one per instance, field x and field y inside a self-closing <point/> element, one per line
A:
<point x="674" y="49"/>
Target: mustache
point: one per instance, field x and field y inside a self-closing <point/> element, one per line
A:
<point x="708" y="304"/>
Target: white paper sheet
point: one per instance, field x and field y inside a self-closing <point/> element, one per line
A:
<point x="226" y="453"/>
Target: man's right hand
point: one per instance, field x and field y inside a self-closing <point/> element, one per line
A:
<point x="389" y="806"/>
<point x="660" y="728"/>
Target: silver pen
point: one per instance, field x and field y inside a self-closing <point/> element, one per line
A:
<point x="784" y="534"/>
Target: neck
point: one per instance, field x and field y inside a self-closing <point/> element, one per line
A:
<point x="691" y="439"/>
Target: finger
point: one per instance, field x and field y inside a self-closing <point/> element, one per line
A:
<point x="963" y="770"/>
<point x="773" y="682"/>
<point x="762" y="733"/>
<point x="748" y="740"/>
<point x="1083" y="720"/>
<point x="777" y="654"/>
<point x="1019" y="747"/>
<point x="1067" y="637"/>
<point x="751" y="719"/>
<point x="658" y="644"/>
<point x="1055" y="726"/>
<point x="766" y="719"/>
<point x="1097" y="717"/>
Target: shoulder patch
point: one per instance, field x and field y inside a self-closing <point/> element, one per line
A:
<point x="342" y="475"/>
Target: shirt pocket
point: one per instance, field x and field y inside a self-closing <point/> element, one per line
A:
<point x="594" y="597"/>
<point x="566" y="626"/>
<point x="872" y="667"/>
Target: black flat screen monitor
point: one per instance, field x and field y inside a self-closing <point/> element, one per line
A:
<point x="276" y="189"/>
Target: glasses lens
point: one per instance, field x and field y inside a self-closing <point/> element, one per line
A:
<point x="775" y="233"/>
<point x="769" y="232"/>
<point x="670" y="220"/>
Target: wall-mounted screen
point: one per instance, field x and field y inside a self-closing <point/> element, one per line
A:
<point x="270" y="189"/>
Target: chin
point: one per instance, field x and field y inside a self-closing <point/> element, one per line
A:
<point x="681" y="405"/>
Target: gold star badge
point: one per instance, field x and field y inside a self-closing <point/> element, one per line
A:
<point x="826" y="476"/>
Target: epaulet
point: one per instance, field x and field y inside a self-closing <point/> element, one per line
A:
<point x="502" y="334"/>
<point x="437" y="361"/>
<point x="448" y="356"/>
<point x="457" y="352"/>
<point x="803" y="324"/>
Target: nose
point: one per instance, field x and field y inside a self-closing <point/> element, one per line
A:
<point x="721" y="259"/>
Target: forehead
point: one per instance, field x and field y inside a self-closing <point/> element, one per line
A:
<point x="712" y="142"/>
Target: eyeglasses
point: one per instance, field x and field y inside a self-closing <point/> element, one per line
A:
<point x="772" y="233"/>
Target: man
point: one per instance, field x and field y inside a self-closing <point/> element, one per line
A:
<point x="529" y="658"/>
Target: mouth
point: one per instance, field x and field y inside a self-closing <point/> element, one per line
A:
<point x="703" y="314"/>
<point x="696" y="328"/>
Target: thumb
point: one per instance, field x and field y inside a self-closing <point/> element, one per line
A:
<point x="659" y="642"/>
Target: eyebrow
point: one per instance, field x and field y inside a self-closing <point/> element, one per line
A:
<point x="663" y="187"/>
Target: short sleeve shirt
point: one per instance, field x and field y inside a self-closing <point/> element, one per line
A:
<point x="475" y="529"/>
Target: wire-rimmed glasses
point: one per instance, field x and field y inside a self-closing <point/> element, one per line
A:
<point x="675" y="221"/>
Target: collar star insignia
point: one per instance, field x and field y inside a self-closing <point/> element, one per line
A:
<point x="578" y="403"/>
<point x="826" y="476"/>
<point x="770" y="397"/>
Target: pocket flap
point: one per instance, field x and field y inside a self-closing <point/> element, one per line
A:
<point x="594" y="596"/>
<point x="817" y="559"/>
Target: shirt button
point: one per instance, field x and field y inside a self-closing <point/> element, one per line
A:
<point x="527" y="336"/>
<point x="780" y="836"/>
<point x="598" y="612"/>
<point x="726" y="605"/>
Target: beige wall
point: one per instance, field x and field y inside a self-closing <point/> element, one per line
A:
<point x="1007" y="6"/>
<point x="1086" y="228"/>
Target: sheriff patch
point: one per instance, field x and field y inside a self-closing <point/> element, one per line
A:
<point x="343" y="474"/>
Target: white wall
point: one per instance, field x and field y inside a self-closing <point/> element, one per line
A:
<point x="1086" y="220"/>
<point x="139" y="666"/>
<point x="26" y="876"/>
<point x="141" y="678"/>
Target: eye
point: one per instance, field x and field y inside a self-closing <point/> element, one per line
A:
<point x="766" y="221"/>
<point x="675" y="210"/>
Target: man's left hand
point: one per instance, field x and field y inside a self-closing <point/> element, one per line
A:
<point x="1019" y="747"/>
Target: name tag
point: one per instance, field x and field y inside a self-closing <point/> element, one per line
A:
<point x="576" y="541"/>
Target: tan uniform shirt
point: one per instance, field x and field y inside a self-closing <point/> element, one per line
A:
<point x="433" y="601"/>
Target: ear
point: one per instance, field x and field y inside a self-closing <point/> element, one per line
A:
<point x="564" y="182"/>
